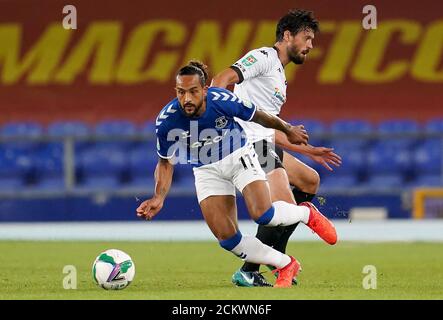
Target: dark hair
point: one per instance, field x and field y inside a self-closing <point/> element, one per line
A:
<point x="295" y="21"/>
<point x="195" y="67"/>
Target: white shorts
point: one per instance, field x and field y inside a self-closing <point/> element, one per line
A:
<point x="238" y="169"/>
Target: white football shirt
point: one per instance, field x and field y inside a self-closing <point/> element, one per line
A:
<point x="262" y="82"/>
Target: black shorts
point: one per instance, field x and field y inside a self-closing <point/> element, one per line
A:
<point x="270" y="156"/>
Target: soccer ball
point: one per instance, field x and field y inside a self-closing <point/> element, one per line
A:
<point x="113" y="270"/>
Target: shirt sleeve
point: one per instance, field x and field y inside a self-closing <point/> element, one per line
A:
<point x="253" y="64"/>
<point x="165" y="148"/>
<point x="236" y="107"/>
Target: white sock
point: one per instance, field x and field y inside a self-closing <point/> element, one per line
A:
<point x="253" y="250"/>
<point x="286" y="214"/>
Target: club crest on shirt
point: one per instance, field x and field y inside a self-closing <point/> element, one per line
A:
<point x="221" y="122"/>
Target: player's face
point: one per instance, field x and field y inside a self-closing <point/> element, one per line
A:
<point x="190" y="94"/>
<point x="299" y="45"/>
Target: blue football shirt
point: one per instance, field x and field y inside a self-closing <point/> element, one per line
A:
<point x="205" y="139"/>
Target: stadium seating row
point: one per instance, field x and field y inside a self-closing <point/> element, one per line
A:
<point x="101" y="164"/>
<point x="127" y="128"/>
<point x="374" y="161"/>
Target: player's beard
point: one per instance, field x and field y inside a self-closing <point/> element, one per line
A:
<point x="192" y="113"/>
<point x="297" y="58"/>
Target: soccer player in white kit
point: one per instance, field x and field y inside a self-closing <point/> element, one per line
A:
<point x="259" y="77"/>
<point x="201" y="122"/>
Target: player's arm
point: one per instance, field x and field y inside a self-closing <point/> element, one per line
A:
<point x="225" y="78"/>
<point x="251" y="65"/>
<point x="322" y="155"/>
<point x="163" y="180"/>
<point x="294" y="134"/>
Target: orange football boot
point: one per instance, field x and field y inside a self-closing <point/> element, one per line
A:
<point x="320" y="224"/>
<point x="287" y="273"/>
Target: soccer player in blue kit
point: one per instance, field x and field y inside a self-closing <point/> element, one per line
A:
<point x="201" y="122"/>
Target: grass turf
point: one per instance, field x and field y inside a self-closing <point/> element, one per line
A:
<point x="202" y="270"/>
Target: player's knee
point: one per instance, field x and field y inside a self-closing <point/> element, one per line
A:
<point x="311" y="182"/>
<point x="229" y="243"/>
<point x="266" y="216"/>
<point x="315" y="179"/>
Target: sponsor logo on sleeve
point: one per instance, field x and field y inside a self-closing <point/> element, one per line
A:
<point x="249" y="61"/>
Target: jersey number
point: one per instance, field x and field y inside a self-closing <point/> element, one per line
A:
<point x="246" y="161"/>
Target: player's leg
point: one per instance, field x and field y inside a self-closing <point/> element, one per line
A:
<point x="221" y="217"/>
<point x="270" y="157"/>
<point x="250" y="179"/>
<point x="248" y="176"/>
<point x="305" y="182"/>
<point x="279" y="191"/>
<point x="216" y="196"/>
<point x="304" y="178"/>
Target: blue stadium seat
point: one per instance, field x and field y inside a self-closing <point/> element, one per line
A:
<point x="384" y="181"/>
<point x="398" y="126"/>
<point x="351" y="127"/>
<point x="385" y="159"/>
<point x="101" y="182"/>
<point x="404" y="131"/>
<point x="11" y="184"/>
<point x="142" y="162"/>
<point x="21" y="129"/>
<point x="431" y="180"/>
<point x="15" y="168"/>
<point x="350" y="133"/>
<point x="354" y="161"/>
<point x="68" y="128"/>
<point x="148" y="128"/>
<point x="344" y="181"/>
<point x="98" y="165"/>
<point x="428" y="157"/>
<point x="48" y="165"/>
<point x="434" y="126"/>
<point x="114" y="129"/>
<point x="27" y="130"/>
<point x="76" y="129"/>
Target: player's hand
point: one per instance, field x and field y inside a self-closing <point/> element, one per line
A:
<point x="325" y="156"/>
<point x="149" y="208"/>
<point x="298" y="135"/>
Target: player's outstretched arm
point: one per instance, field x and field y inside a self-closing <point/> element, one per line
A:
<point x="324" y="156"/>
<point x="295" y="134"/>
<point x="225" y="78"/>
<point x="163" y="180"/>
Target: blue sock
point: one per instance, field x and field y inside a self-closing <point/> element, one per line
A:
<point x="266" y="217"/>
<point x="232" y="242"/>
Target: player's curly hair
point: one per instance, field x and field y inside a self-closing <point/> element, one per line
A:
<point x="295" y="21"/>
<point x="195" y="67"/>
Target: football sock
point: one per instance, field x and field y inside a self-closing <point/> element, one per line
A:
<point x="253" y="250"/>
<point x="269" y="236"/>
<point x="283" y="213"/>
<point x="300" y="197"/>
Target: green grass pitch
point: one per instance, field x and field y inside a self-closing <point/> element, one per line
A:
<point x="202" y="270"/>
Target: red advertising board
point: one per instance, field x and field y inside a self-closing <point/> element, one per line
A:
<point x="121" y="60"/>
